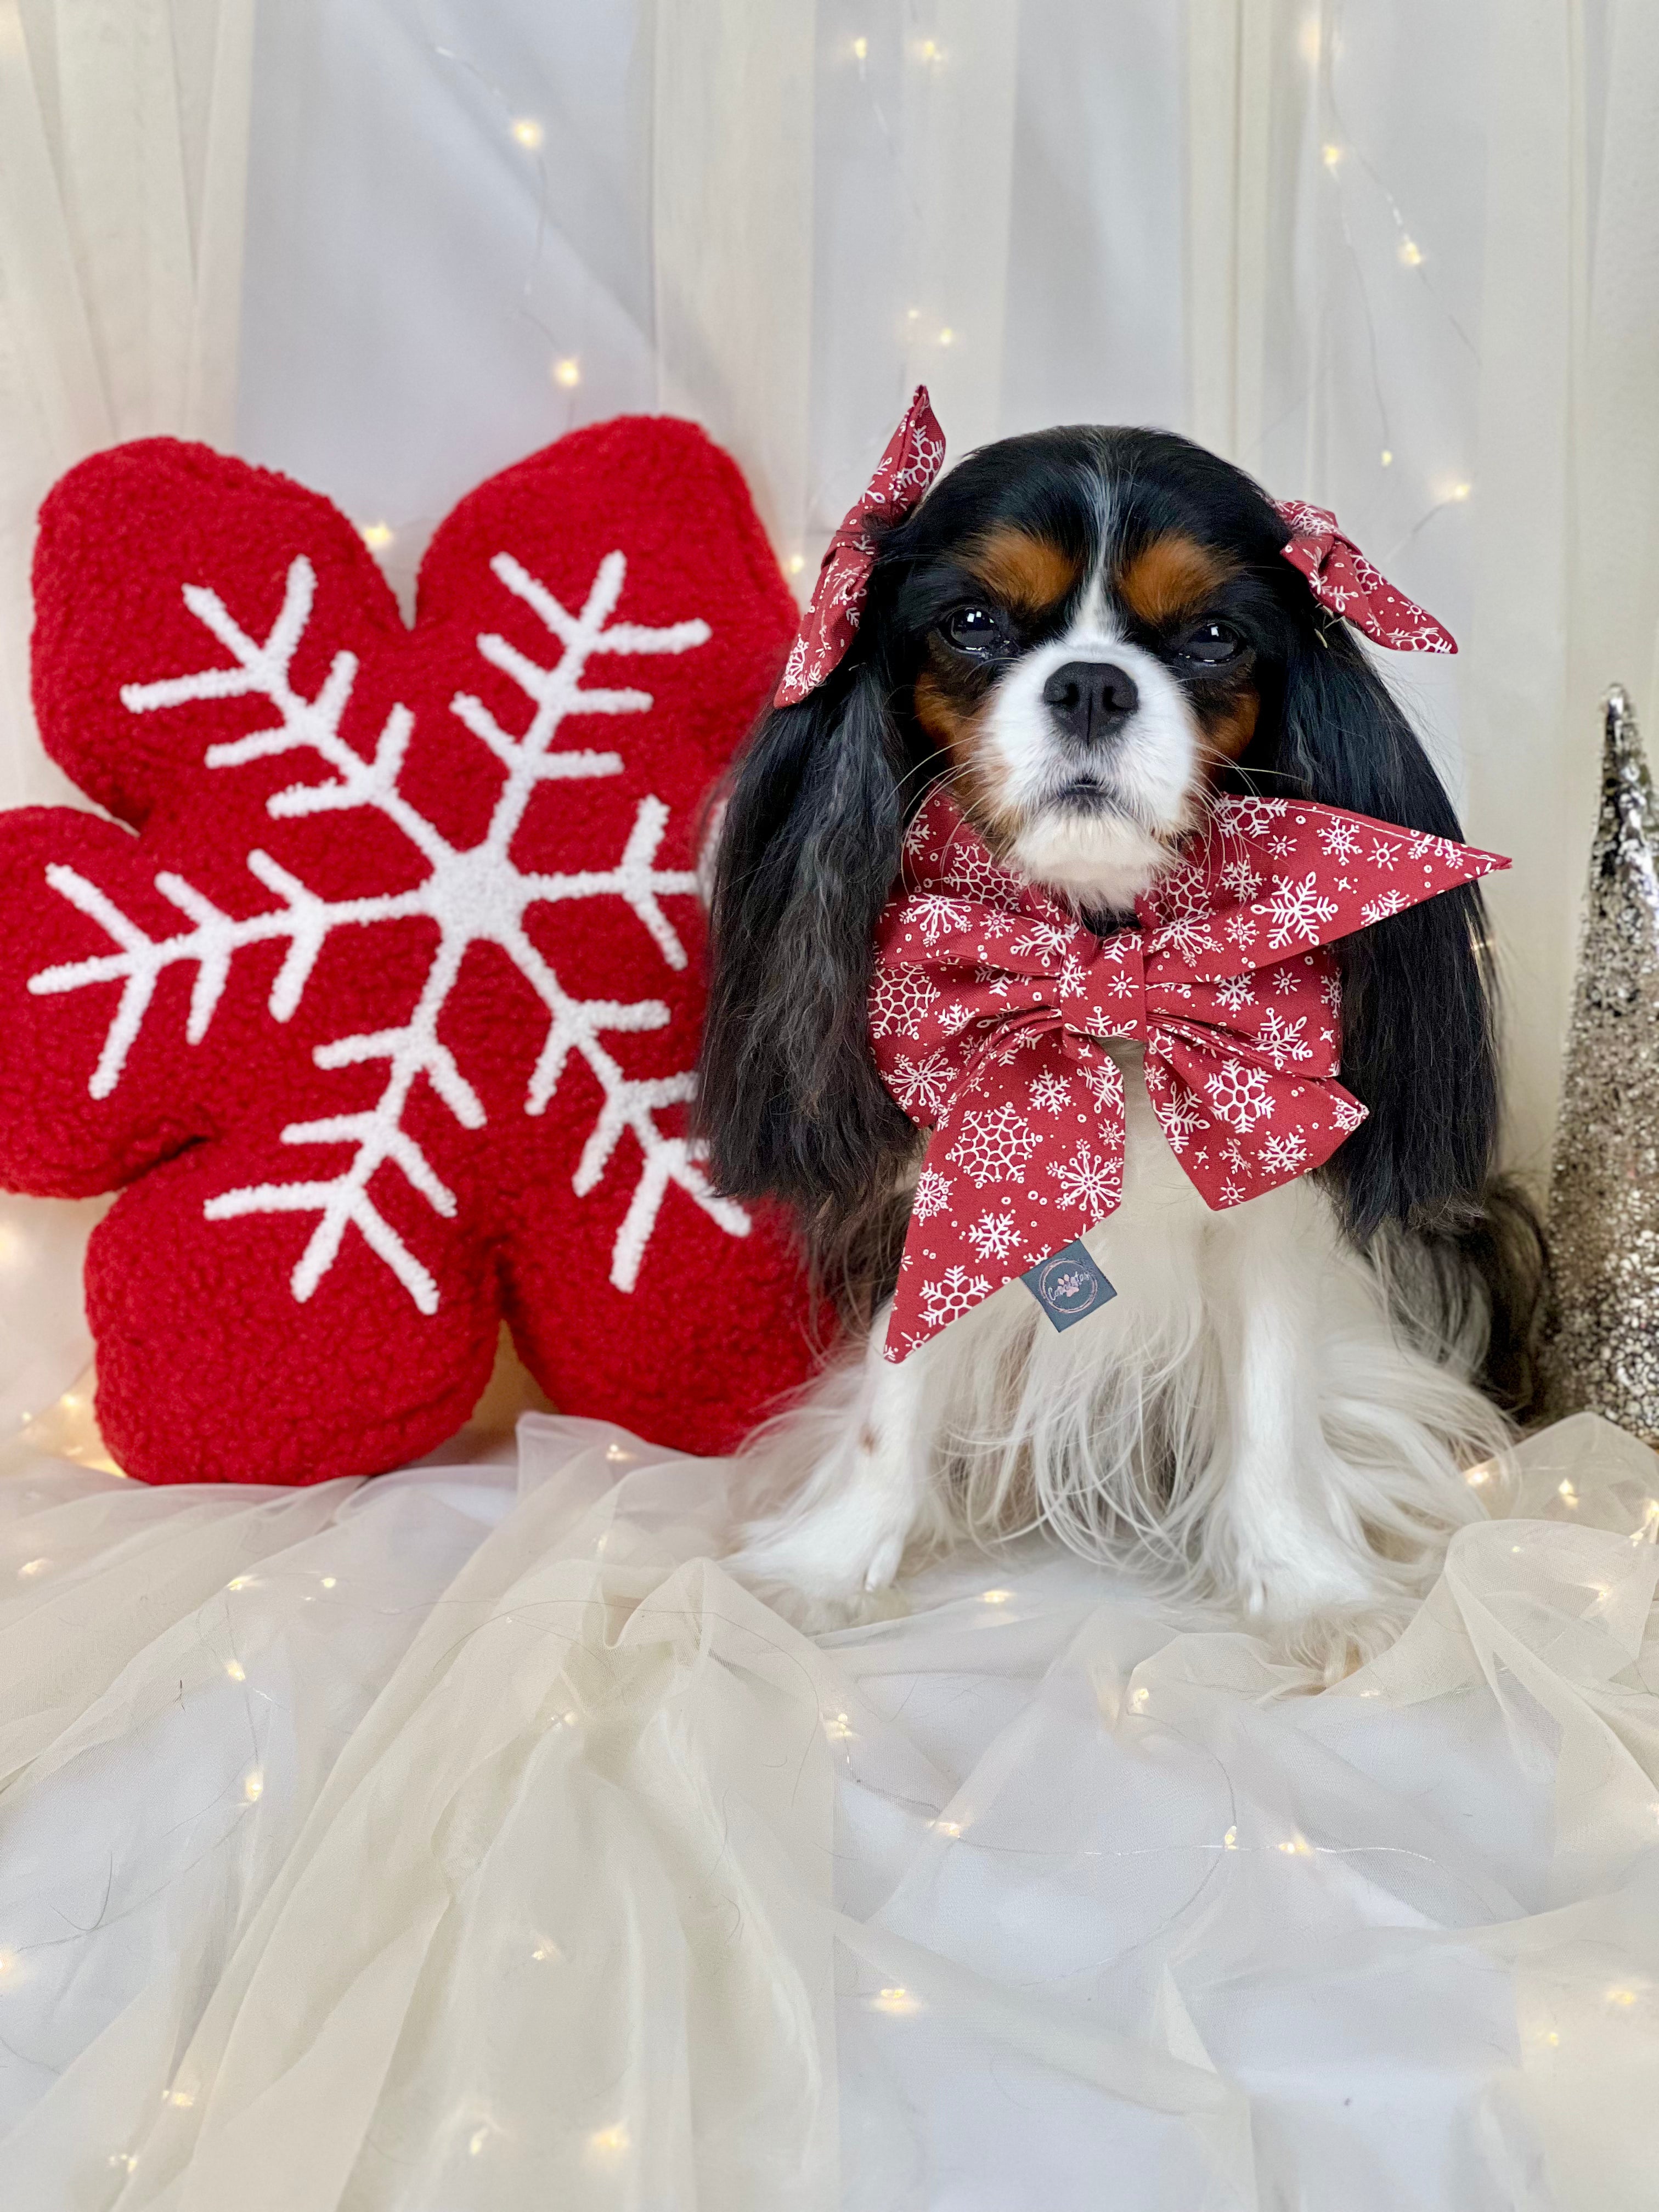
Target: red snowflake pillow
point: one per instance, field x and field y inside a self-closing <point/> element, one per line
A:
<point x="384" y="1020"/>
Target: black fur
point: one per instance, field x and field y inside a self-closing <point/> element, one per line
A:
<point x="790" y="1102"/>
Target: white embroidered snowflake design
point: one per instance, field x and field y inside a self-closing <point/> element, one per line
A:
<point x="475" y="895"/>
<point x="1284" y="980"/>
<point x="954" y="1293"/>
<point x="1385" y="903"/>
<point x="1283" y="1154"/>
<point x="1234" y="993"/>
<point x="1340" y="839"/>
<point x="931" y="1196"/>
<point x="1241" y="929"/>
<point x="1348" y="1114"/>
<point x="1297" y="911"/>
<point x="1087" y="1180"/>
<point x="994" y="1144"/>
<point x="898" y="1000"/>
<point x="1283" y="1041"/>
<point x="922" y="1087"/>
<point x="1240" y="1096"/>
<point x="1241" y="879"/>
<point x="993" y="1235"/>
<point x="1384" y="853"/>
<point x="1050" y="1093"/>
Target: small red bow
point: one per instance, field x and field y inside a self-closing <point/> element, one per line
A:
<point x="990" y="1001"/>
<point x="1341" y="578"/>
<point x="915" y="455"/>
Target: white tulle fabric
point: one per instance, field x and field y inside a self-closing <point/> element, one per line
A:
<point x="469" y="1839"/>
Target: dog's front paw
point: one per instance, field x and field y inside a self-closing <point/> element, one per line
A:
<point x="820" y="1571"/>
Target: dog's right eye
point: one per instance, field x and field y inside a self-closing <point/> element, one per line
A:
<point x="976" y="630"/>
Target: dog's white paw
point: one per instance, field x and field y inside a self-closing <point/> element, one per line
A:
<point x="823" y="1569"/>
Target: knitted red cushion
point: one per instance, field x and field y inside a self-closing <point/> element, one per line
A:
<point x="384" y="1020"/>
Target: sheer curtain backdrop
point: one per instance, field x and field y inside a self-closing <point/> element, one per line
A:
<point x="1402" y="261"/>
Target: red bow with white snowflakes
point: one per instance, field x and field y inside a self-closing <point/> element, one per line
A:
<point x="913" y="456"/>
<point x="991" y="1002"/>
<point x="1341" y="578"/>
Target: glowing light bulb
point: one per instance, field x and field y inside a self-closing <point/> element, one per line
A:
<point x="860" y="50"/>
<point x="795" y="563"/>
<point x="475" y="2142"/>
<point x="1619" y="1996"/>
<point x="1331" y="156"/>
<point x="377" y="535"/>
<point x="928" y="51"/>
<point x="235" y="1669"/>
<point x="34" y="1566"/>
<point x="1461" y="491"/>
<point x="8" y="1965"/>
<point x="1566" y="1493"/>
<point x="897" y="2001"/>
<point x="947" y="336"/>
<point x="1411" y="254"/>
<point x="609" y="2146"/>
<point x="1387" y="456"/>
<point x="527" y="131"/>
<point x="837" y="1728"/>
<point x="182" y="2098"/>
<point x="1230" y="1841"/>
<point x="1298" y="1846"/>
<point x="253" y="1787"/>
<point x="1138" y="1699"/>
<point x="241" y="1581"/>
<point x="948" y="1827"/>
<point x="567" y="372"/>
<point x="330" y="1582"/>
<point x="995" y="1596"/>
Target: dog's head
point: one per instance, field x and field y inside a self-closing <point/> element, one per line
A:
<point x="1086" y="623"/>
<point x="1085" y="633"/>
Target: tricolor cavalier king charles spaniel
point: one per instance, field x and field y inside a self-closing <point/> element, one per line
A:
<point x="1085" y="634"/>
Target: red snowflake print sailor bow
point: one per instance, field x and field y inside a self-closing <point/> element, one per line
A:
<point x="991" y="1002"/>
<point x="915" y="455"/>
<point x="1341" y="578"/>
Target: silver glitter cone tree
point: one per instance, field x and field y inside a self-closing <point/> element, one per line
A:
<point x="1604" y="1197"/>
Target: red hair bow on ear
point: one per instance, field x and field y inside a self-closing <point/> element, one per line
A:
<point x="915" y="455"/>
<point x="1341" y="578"/>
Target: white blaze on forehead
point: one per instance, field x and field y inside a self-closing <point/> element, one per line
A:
<point x="1149" y="772"/>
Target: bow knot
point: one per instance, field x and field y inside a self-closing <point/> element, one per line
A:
<point x="993" y="1013"/>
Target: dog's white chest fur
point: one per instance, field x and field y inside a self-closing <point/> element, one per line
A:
<point x="1244" y="1417"/>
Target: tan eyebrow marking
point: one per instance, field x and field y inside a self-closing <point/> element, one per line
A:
<point x="1030" y="573"/>
<point x="1174" y="576"/>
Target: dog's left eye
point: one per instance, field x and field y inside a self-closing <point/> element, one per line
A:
<point x="976" y="630"/>
<point x="1212" y="645"/>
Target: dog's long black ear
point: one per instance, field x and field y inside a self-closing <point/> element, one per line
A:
<point x="1418" y="1043"/>
<point x="789" y="1100"/>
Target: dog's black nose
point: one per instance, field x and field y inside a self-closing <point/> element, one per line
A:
<point x="1090" y="700"/>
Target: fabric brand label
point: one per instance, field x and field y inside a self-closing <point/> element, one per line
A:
<point x="1068" y="1286"/>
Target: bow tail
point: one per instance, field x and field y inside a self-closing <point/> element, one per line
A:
<point x="1027" y="1156"/>
<point x="1239" y="1127"/>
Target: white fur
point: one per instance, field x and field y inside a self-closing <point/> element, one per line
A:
<point x="1244" y="1420"/>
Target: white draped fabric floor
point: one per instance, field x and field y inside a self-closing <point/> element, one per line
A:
<point x="468" y="1839"/>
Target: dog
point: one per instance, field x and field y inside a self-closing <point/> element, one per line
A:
<point x="1086" y="636"/>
